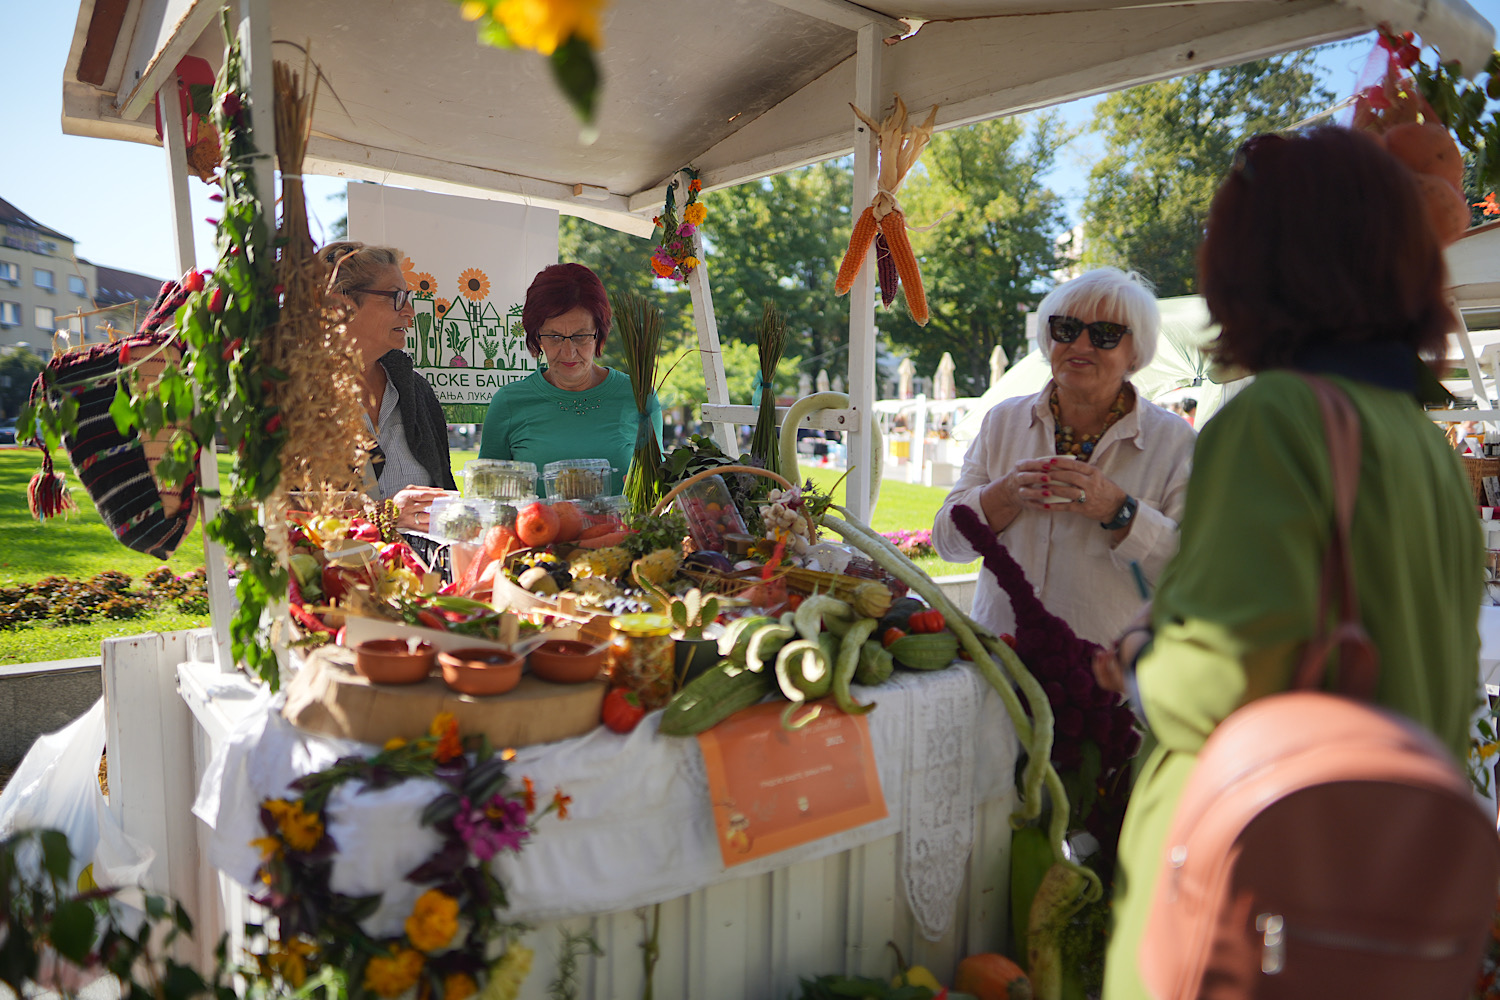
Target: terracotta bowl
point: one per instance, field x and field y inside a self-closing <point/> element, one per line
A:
<point x="481" y="671"/>
<point x="391" y="661"/>
<point x="568" y="661"/>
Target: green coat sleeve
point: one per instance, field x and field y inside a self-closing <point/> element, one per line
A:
<point x="1239" y="599"/>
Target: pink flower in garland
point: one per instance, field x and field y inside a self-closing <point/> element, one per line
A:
<point x="487" y="830"/>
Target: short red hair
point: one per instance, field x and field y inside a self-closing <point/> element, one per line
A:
<point x="561" y="288"/>
<point x="1320" y="238"/>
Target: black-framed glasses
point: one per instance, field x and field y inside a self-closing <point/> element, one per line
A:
<point x="1102" y="333"/>
<point x="401" y="297"/>
<point x="556" y="340"/>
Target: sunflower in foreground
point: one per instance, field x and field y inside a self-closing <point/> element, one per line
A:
<point x="474" y="285"/>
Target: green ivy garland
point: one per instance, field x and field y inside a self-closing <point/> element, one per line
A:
<point x="220" y="386"/>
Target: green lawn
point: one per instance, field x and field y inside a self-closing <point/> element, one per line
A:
<point x="79" y="546"/>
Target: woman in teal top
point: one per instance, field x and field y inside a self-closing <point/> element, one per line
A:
<point x="1302" y="274"/>
<point x="574" y="407"/>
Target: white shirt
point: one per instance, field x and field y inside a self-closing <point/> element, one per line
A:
<point x="1078" y="572"/>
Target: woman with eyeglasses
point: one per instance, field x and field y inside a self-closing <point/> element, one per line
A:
<point x="573" y="407"/>
<point x="1085" y="479"/>
<point x="1303" y="277"/>
<point x="411" y="461"/>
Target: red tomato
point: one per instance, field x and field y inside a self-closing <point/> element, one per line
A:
<point x="793" y="602"/>
<point x="499" y="540"/>
<point x="890" y="636"/>
<point x="622" y="710"/>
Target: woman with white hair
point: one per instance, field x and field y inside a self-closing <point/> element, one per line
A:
<point x="1084" y="480"/>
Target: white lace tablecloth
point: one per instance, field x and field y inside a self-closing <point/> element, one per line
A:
<point x="640" y="829"/>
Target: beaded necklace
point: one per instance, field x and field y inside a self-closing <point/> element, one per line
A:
<point x="1067" y="441"/>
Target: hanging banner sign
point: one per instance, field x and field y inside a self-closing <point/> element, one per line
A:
<point x="469" y="262"/>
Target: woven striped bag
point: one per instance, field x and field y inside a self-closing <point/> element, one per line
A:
<point x="118" y="470"/>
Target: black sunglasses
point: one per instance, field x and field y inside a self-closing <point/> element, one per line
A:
<point x="400" y="296"/>
<point x="1102" y="333"/>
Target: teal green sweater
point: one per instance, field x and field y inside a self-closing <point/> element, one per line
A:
<point x="531" y="420"/>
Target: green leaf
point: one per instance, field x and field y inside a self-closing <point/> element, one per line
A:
<point x="57" y="856"/>
<point x="576" y="74"/>
<point x="72" y="930"/>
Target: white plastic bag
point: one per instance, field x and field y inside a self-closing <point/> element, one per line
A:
<point x="56" y="787"/>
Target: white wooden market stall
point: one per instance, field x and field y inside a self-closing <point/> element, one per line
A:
<point x="738" y="89"/>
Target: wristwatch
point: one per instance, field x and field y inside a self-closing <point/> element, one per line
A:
<point x="1123" y="516"/>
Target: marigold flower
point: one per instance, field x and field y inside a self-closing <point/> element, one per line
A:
<point x="394" y="743"/>
<point x="543" y="25"/>
<point x="433" y="921"/>
<point x="445" y="728"/>
<point x="473" y="10"/>
<point x="393" y="976"/>
<point x="300" y="830"/>
<point x="696" y="212"/>
<point x="289" y="959"/>
<point x="689" y="262"/>
<point x="269" y="847"/>
<point x="663" y="268"/>
<point x="695" y="185"/>
<point x="561" y="801"/>
<point x="458" y="985"/>
<point x="529" y="796"/>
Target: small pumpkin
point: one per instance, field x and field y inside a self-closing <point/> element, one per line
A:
<point x="992" y="977"/>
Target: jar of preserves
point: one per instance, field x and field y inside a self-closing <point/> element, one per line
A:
<point x="641" y="657"/>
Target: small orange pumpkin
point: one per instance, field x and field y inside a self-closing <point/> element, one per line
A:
<point x="992" y="977"/>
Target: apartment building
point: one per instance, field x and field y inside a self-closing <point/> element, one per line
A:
<point x="42" y="280"/>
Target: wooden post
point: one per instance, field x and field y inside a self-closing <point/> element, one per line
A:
<point x="869" y="96"/>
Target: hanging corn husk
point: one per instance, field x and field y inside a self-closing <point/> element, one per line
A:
<point x="900" y="144"/>
<point x="771" y="342"/>
<point x="640" y="334"/>
<point x="317" y="404"/>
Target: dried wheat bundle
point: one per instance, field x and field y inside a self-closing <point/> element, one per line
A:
<point x="319" y="400"/>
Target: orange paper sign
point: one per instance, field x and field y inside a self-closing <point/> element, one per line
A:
<point x="774" y="788"/>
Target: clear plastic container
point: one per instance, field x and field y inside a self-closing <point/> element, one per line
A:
<point x="609" y="511"/>
<point x="500" y="479"/>
<point x="711" y="513"/>
<point x="461" y="519"/>
<point x="577" y="478"/>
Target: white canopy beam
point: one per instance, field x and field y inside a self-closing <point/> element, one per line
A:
<point x="848" y="15"/>
<point x="869" y="97"/>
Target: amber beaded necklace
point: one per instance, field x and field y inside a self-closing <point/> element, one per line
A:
<point x="1067" y="441"/>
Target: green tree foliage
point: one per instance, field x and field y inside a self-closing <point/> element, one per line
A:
<point x="1169" y="145"/>
<point x="993" y="244"/>
<point x="18" y="369"/>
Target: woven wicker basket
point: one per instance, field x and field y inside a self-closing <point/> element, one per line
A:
<point x="1478" y="469"/>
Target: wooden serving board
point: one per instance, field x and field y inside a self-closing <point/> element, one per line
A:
<point x="328" y="697"/>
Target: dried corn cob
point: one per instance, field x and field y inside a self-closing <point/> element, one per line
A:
<point x="868" y="598"/>
<point x="885" y="271"/>
<point x="859" y="246"/>
<point x="893" y="226"/>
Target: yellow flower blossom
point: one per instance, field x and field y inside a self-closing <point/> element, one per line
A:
<point x="433" y="921"/>
<point x="269" y="847"/>
<point x="394" y="743"/>
<point x="543" y="25"/>
<point x="509" y="974"/>
<point x="458" y="986"/>
<point x="695" y="213"/>
<point x="473" y="10"/>
<point x="300" y="830"/>
<point x="445" y="728"/>
<point x="393" y="976"/>
<point x="689" y="262"/>
<point x="289" y="959"/>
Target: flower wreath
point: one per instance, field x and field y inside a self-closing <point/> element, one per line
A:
<point x="478" y="815"/>
<point x="674" y="254"/>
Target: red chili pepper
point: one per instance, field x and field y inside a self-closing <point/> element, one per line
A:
<point x="124" y="354"/>
<point x="622" y="710"/>
<point x="432" y="619"/>
<point x="218" y="299"/>
<point x="274" y="424"/>
<point x="891" y="635"/>
<point x="233" y="345"/>
<point x="192" y="282"/>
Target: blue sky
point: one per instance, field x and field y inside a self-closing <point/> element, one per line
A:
<point x="111" y="196"/>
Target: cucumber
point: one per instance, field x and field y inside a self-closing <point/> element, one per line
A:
<point x="708" y="700"/>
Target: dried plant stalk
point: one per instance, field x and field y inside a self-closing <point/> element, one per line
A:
<point x="319" y="400"/>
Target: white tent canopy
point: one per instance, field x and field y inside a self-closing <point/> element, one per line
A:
<point x="737" y="88"/>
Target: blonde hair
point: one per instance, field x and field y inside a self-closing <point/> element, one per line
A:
<point x="355" y="265"/>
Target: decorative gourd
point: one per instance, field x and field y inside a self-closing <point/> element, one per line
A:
<point x="992" y="977"/>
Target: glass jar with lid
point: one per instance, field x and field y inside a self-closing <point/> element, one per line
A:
<point x="641" y="657"/>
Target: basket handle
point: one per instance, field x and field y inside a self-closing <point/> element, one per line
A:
<point x="700" y="476"/>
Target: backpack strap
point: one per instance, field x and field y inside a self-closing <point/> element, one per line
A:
<point x="1359" y="660"/>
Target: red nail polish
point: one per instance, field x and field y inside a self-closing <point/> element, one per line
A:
<point x="1046" y="493"/>
<point x="1044" y="478"/>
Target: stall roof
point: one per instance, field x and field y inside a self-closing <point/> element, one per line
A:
<point x="739" y="88"/>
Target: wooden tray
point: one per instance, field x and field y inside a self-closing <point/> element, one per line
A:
<point x="328" y="697"/>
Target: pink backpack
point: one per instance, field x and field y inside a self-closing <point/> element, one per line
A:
<point x="1324" y="847"/>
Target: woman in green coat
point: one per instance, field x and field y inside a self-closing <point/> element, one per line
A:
<point x="1318" y="258"/>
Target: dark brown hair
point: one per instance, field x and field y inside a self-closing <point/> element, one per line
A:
<point x="1320" y="238"/>
<point x="560" y="288"/>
